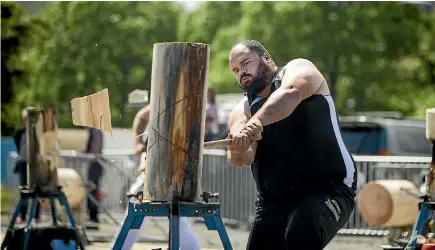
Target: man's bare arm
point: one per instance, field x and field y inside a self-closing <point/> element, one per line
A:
<point x="301" y="80"/>
<point x="140" y="123"/>
<point x="237" y="120"/>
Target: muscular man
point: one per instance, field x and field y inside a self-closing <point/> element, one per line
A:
<point x="188" y="240"/>
<point x="286" y="129"/>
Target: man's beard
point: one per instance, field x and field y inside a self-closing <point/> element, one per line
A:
<point x="258" y="83"/>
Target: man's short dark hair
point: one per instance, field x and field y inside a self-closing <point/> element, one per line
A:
<point x="255" y="46"/>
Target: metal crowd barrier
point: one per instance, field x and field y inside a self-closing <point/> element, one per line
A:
<point x="235" y="185"/>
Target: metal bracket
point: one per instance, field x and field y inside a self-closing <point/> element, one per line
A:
<point x="210" y="212"/>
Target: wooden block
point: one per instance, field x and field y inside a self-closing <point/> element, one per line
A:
<point x="388" y="203"/>
<point x="72" y="186"/>
<point x="430" y="124"/>
<point x="93" y="111"/>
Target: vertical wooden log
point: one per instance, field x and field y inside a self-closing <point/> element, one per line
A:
<point x="43" y="148"/>
<point x="177" y="119"/>
<point x="430" y="135"/>
<point x="32" y="146"/>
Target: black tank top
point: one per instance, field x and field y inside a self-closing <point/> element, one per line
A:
<point x="302" y="152"/>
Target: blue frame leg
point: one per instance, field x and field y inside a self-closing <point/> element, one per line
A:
<point x="63" y="202"/>
<point x="215" y="223"/>
<point x="210" y="212"/>
<point x="10" y="231"/>
<point x="174" y="232"/>
<point x="29" y="223"/>
<point x="16" y="212"/>
<point x="424" y="215"/>
<point x="132" y="221"/>
<point x="222" y="233"/>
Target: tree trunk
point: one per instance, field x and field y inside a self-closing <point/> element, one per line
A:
<point x="176" y="132"/>
<point x="42" y="148"/>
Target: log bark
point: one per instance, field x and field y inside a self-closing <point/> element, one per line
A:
<point x="177" y="120"/>
<point x="430" y="124"/>
<point x="92" y="111"/>
<point x="430" y="135"/>
<point x="42" y="148"/>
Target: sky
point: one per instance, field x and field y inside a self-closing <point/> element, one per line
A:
<point x="34" y="6"/>
<point x="190" y="5"/>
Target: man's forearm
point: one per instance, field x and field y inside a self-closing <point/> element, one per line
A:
<point x="139" y="129"/>
<point x="278" y="106"/>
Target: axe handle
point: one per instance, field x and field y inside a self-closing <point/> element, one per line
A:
<point x="218" y="143"/>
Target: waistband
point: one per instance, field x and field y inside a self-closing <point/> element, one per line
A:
<point x="293" y="195"/>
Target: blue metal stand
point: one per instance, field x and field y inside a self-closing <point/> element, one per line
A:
<point x="427" y="210"/>
<point x="27" y="195"/>
<point x="210" y="212"/>
<point x="420" y="227"/>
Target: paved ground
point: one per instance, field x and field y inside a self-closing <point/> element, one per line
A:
<point x="155" y="236"/>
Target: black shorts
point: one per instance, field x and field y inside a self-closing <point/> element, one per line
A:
<point x="309" y="224"/>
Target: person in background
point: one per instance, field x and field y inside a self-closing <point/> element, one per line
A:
<point x="140" y="123"/>
<point x="211" y="117"/>
<point x="94" y="145"/>
<point x="20" y="140"/>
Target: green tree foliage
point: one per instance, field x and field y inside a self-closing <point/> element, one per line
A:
<point x="96" y="45"/>
<point x="202" y="24"/>
<point x="207" y="24"/>
<point x="16" y="32"/>
<point x="377" y="55"/>
<point x="358" y="46"/>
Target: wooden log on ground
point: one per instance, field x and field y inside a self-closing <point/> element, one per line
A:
<point x="42" y="148"/>
<point x="72" y="186"/>
<point x="177" y="124"/>
<point x="92" y="111"/>
<point x="389" y="203"/>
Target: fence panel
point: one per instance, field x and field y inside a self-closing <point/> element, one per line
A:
<point x="235" y="185"/>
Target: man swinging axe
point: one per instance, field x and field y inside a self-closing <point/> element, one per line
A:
<point x="286" y="128"/>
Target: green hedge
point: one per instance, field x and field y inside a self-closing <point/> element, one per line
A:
<point x="5" y="194"/>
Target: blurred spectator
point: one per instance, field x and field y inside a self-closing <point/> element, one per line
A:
<point x="20" y="140"/>
<point x="140" y="124"/>
<point x="211" y="118"/>
<point x="94" y="145"/>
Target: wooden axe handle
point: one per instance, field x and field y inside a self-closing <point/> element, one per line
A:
<point x="218" y="143"/>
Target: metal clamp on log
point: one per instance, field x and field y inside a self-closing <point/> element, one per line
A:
<point x="207" y="195"/>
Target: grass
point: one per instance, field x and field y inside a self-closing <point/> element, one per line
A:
<point x="5" y="195"/>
